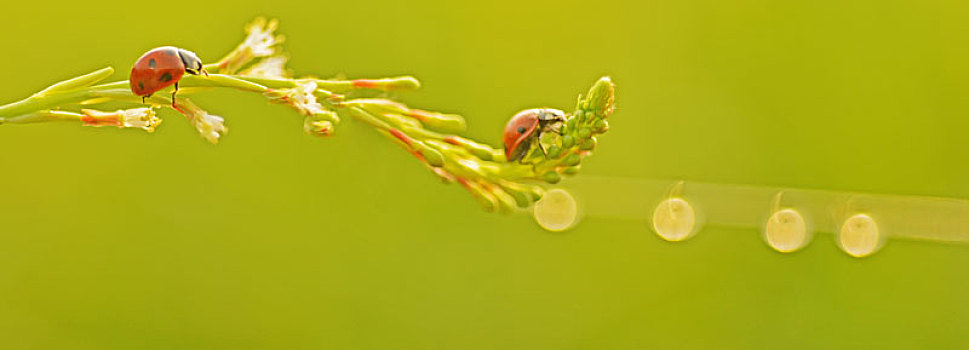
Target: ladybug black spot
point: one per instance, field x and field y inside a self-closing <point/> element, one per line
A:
<point x="167" y="77"/>
<point x="141" y="85"/>
<point x="521" y="129"/>
<point x="151" y="63"/>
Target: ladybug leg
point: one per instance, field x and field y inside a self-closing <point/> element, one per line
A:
<point x="543" y="149"/>
<point x="173" y="95"/>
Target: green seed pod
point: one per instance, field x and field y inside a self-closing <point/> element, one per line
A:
<point x="572" y="160"/>
<point x="554" y="151"/>
<point x="433" y="157"/>
<point x="403" y="83"/>
<point x="601" y="126"/>
<point x="580" y="116"/>
<point x="443" y="122"/>
<point x="552" y="177"/>
<point x="326" y="115"/>
<point x="588" y="144"/>
<point x="317" y="127"/>
<point x="506" y="203"/>
<point x="521" y="199"/>
<point x="572" y="122"/>
<point x="488" y="202"/>
<point x="568" y="141"/>
<point x="375" y="105"/>
<point x="572" y="170"/>
<point x="399" y="121"/>
<point x="368" y="118"/>
<point x="536" y="192"/>
<point x="585" y="133"/>
<point x="486" y="199"/>
<point x="480" y="151"/>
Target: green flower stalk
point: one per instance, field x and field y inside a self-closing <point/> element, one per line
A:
<point x="258" y="65"/>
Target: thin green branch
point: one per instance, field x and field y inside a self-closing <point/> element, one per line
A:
<point x="257" y="66"/>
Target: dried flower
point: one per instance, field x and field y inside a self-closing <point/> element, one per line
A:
<point x="318" y="127"/>
<point x="273" y="67"/>
<point x="211" y="127"/>
<point x="142" y="118"/>
<point x="300" y="97"/>
<point x="261" y="40"/>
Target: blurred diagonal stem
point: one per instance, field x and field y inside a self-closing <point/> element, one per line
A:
<point x="257" y="65"/>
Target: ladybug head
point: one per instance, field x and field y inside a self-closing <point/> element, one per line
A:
<point x="193" y="64"/>
<point x="551" y="115"/>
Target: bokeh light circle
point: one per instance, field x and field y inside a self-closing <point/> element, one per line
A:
<point x="786" y="231"/>
<point x="859" y="236"/>
<point x="674" y="219"/>
<point x="557" y="211"/>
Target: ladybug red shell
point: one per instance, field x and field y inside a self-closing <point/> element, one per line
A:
<point x="526" y="127"/>
<point x="160" y="68"/>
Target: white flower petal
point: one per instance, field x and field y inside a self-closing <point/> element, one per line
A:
<point x="261" y="40"/>
<point x="269" y="67"/>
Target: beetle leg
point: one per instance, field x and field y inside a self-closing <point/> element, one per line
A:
<point x="542" y="148"/>
<point x="173" y="95"/>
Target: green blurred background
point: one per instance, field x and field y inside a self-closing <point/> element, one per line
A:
<point x="273" y="239"/>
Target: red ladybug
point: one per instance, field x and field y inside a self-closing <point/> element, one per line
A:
<point x="162" y="67"/>
<point x="526" y="127"/>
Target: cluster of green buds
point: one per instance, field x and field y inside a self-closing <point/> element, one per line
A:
<point x="497" y="184"/>
<point x="258" y="65"/>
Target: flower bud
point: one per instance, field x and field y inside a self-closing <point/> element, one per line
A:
<point x="554" y="151"/>
<point x="487" y="200"/>
<point x="601" y="97"/>
<point x="506" y="203"/>
<point x="317" y="127"/>
<point x="568" y="141"/>
<point x="478" y="150"/>
<point x="387" y="84"/>
<point x="552" y="177"/>
<point x="601" y="126"/>
<point x="433" y="157"/>
<point x="522" y="198"/>
<point x="439" y="122"/>
<point x="572" y="160"/>
<point x="580" y="117"/>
